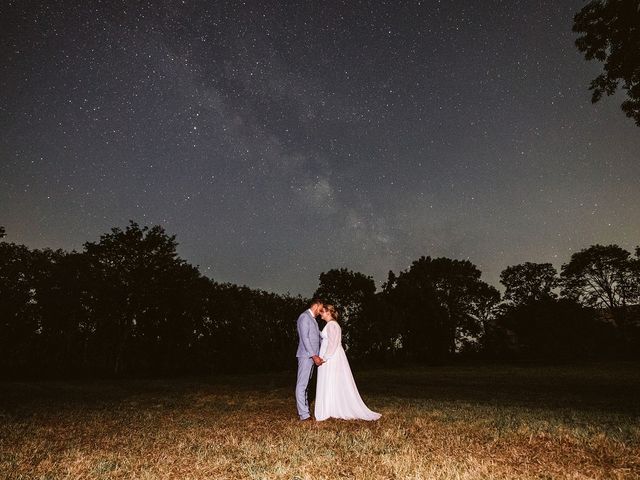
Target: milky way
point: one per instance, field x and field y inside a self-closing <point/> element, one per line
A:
<point x="278" y="140"/>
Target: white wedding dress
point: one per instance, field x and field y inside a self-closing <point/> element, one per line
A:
<point x="336" y="392"/>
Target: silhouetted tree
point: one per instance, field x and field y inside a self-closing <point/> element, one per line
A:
<point x="64" y="321"/>
<point x="635" y="272"/>
<point x="631" y="320"/>
<point x="529" y="282"/>
<point x="141" y="294"/>
<point x="43" y="317"/>
<point x="611" y="35"/>
<point x="278" y="315"/>
<point x="606" y="278"/>
<point x="19" y="322"/>
<point x="350" y="292"/>
<point x="440" y="300"/>
<point x="170" y="319"/>
<point x="380" y="338"/>
<point x="2" y="232"/>
<point x="483" y="307"/>
<point x="600" y="276"/>
<point x="550" y="329"/>
<point x="413" y="296"/>
<point x="249" y="329"/>
<point x="128" y="303"/>
<point x="345" y="289"/>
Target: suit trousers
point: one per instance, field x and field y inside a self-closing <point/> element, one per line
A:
<point x="304" y="386"/>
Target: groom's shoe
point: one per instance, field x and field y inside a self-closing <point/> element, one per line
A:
<point x="306" y="419"/>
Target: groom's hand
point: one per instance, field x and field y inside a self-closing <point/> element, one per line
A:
<point x="317" y="360"/>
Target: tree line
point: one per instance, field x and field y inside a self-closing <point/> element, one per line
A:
<point x="127" y="304"/>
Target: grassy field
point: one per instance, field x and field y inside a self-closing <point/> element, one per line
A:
<point x="570" y="422"/>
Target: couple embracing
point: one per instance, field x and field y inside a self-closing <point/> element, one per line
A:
<point x="336" y="392"/>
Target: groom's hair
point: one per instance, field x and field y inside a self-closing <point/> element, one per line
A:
<point x="315" y="300"/>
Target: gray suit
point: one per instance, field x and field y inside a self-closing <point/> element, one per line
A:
<point x="308" y="346"/>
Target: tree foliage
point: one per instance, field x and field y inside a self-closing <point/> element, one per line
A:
<point x="18" y="311"/>
<point x="143" y="283"/>
<point x="550" y="329"/>
<point x="443" y="303"/>
<point x="350" y="292"/>
<point x="601" y="276"/>
<point x="611" y="35"/>
<point x="345" y="289"/>
<point x="127" y="304"/>
<point x="529" y="282"/>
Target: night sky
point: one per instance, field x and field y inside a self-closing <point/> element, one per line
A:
<point x="279" y="140"/>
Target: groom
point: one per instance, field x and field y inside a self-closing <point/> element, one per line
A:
<point x="308" y="359"/>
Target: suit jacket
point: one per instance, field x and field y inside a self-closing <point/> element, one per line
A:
<point x="308" y="335"/>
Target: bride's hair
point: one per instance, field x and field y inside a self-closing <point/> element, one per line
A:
<point x="332" y="311"/>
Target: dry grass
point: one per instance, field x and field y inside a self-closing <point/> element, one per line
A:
<point x="438" y="423"/>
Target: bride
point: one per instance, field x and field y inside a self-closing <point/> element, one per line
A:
<point x="336" y="393"/>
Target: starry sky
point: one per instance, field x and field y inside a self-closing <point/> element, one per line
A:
<point x="278" y="140"/>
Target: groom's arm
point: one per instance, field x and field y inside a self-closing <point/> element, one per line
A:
<point x="303" y="332"/>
